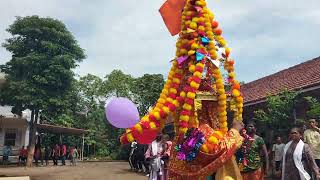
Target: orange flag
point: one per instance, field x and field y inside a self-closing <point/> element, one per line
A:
<point x="171" y="12"/>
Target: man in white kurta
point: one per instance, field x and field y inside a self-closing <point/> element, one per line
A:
<point x="154" y="154"/>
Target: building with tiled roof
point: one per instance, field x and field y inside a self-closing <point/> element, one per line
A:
<point x="304" y="77"/>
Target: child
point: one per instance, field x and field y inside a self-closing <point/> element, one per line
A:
<point x="74" y="156"/>
<point x="6" y="153"/>
<point x="23" y="156"/>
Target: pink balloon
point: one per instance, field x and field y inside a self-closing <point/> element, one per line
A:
<point x="122" y="113"/>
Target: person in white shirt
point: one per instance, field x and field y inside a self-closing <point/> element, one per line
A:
<point x="131" y="155"/>
<point x="154" y="154"/>
<point x="277" y="151"/>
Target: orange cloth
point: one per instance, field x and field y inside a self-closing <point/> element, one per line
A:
<point x="171" y="12"/>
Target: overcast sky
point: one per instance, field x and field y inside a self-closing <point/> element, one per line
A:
<point x="265" y="36"/>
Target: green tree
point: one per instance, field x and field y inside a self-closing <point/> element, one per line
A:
<point x="279" y="111"/>
<point x="314" y="110"/>
<point x="39" y="74"/>
<point x="90" y="91"/>
<point x="117" y="84"/>
<point x="91" y="105"/>
<point x="146" y="91"/>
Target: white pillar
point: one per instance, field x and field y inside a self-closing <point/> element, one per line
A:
<point x="26" y="137"/>
<point x="82" y="148"/>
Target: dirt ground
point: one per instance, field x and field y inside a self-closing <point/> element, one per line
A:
<point x="84" y="171"/>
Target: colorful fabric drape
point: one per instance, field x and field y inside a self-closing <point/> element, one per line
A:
<point x="205" y="164"/>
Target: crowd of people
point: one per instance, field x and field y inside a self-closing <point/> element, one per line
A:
<point x="298" y="159"/>
<point x="44" y="154"/>
<point x="57" y="152"/>
<point x="151" y="159"/>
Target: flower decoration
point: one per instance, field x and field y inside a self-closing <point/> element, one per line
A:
<point x="190" y="147"/>
<point x="197" y="57"/>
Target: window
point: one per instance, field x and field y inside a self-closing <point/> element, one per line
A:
<point x="10" y="137"/>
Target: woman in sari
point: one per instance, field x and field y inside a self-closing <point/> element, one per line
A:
<point x="298" y="161"/>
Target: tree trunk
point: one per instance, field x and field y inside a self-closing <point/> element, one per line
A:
<point x="294" y="114"/>
<point x="94" y="150"/>
<point x="32" y="137"/>
<point x="88" y="152"/>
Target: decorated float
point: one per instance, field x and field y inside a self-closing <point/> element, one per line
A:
<point x="201" y="95"/>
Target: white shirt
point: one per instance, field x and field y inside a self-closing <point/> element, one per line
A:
<point x="278" y="151"/>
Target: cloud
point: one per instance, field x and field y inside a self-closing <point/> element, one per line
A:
<point x="265" y="36"/>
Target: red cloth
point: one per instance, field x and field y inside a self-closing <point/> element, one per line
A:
<point x="64" y="150"/>
<point x="23" y="152"/>
<point x="171" y="12"/>
<point x="71" y="151"/>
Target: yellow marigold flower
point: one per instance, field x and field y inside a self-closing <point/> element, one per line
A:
<point x="204" y="148"/>
<point x="183" y="94"/>
<point x="197" y="74"/>
<point x="184" y="118"/>
<point x="153" y="125"/>
<point x="157" y="115"/>
<point x="213" y="140"/>
<point x="138" y="128"/>
<point x="130" y="137"/>
<point x="235" y="93"/>
<point x="192" y="68"/>
<point x="191" y="95"/>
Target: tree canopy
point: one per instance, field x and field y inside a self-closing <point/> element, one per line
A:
<point x="279" y="110"/>
<point x="39" y="75"/>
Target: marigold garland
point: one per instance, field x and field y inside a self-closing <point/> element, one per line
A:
<point x="197" y="46"/>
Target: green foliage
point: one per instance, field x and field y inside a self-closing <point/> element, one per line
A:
<point x="92" y="91"/>
<point x="314" y="111"/>
<point x="39" y="74"/>
<point x="39" y="77"/>
<point x="146" y="91"/>
<point x="117" y="84"/>
<point x="64" y="120"/>
<point x="279" y="110"/>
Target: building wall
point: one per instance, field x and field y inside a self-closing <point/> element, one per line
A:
<point x="19" y="127"/>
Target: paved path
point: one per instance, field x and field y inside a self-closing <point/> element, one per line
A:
<point x="15" y="178"/>
<point x="84" y="171"/>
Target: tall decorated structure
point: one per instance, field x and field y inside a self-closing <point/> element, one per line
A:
<point x="201" y="95"/>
